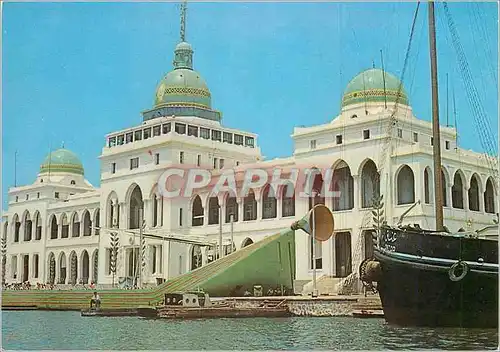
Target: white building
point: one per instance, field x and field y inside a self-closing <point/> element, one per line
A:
<point x="374" y="146"/>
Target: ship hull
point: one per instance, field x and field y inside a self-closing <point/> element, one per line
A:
<point x="416" y="288"/>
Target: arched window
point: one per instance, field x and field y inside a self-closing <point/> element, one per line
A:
<point x="474" y="193"/>
<point x="17" y="225"/>
<point x="53" y="228"/>
<point x="97" y="219"/>
<point x="288" y="201"/>
<point x="370" y="184"/>
<point x="406" y="186"/>
<point x="62" y="269"/>
<point x="73" y="268"/>
<point x="269" y="203"/>
<point x="51" y="268"/>
<point x="28" y="227"/>
<point x="249" y="207"/>
<point x="75" y="226"/>
<point x="136" y="207"/>
<point x="231" y="209"/>
<point x="444" y="184"/>
<point x="155" y="210"/>
<point x="87" y="224"/>
<point x="73" y="182"/>
<point x="65" y="226"/>
<point x="197" y="211"/>
<point x="489" y="197"/>
<point x="95" y="265"/>
<point x="317" y="189"/>
<point x="457" y="192"/>
<point x="427" y="186"/>
<point x="246" y="242"/>
<point x="343" y="184"/>
<point x="85" y="267"/>
<point x="38" y="226"/>
<point x="213" y="210"/>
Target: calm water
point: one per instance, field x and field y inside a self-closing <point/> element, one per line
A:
<point x="39" y="330"/>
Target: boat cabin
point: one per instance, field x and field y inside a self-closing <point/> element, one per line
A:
<point x="187" y="299"/>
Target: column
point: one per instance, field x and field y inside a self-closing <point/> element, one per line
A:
<point x="357" y="194"/>
<point x="258" y="200"/>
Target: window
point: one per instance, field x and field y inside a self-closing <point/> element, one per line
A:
<point x="204" y="133"/>
<point x="237" y="163"/>
<point x="111" y="141"/>
<point x="181" y="157"/>
<point x="193" y="131"/>
<point x="354" y="116"/>
<point x="180" y="217"/>
<point x="180" y="128"/>
<point x="41" y="180"/>
<point x="216" y="135"/>
<point x="339" y="139"/>
<point x="134" y="163"/>
<point x="432" y="141"/>
<point x="156" y="130"/>
<point x="366" y="134"/>
<point x="227" y="137"/>
<point x="221" y="163"/>
<point x="38" y="194"/>
<point x="129" y="137"/>
<point x="138" y="135"/>
<point x="238" y="139"/>
<point x="447" y="144"/>
<point x="27" y="197"/>
<point x="17" y="199"/>
<point x="198" y="160"/>
<point x="120" y="139"/>
<point x="147" y="133"/>
<point x="249" y="141"/>
<point x="56" y="195"/>
<point x="73" y="182"/>
<point x="113" y="168"/>
<point x="157" y="158"/>
<point x="400" y="133"/>
<point x="166" y="128"/>
<point x="215" y="163"/>
<point x="415" y="137"/>
<point x="313" y="144"/>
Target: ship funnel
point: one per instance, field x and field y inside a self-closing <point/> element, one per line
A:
<point x="323" y="223"/>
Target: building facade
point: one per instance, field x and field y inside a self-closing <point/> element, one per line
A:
<point x="57" y="230"/>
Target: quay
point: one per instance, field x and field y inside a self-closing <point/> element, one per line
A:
<point x="323" y="306"/>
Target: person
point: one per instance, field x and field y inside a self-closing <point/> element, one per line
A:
<point x="95" y="300"/>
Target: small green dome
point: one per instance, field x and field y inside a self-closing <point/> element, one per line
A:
<point x="183" y="86"/>
<point x="62" y="160"/>
<point x="368" y="86"/>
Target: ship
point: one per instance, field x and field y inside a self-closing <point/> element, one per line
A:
<point x="434" y="278"/>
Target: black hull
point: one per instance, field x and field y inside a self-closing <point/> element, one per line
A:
<point x="416" y="289"/>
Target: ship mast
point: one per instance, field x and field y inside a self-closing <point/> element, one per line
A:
<point x="436" y="145"/>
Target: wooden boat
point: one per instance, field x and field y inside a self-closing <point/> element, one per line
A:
<point x="362" y="313"/>
<point x="196" y="305"/>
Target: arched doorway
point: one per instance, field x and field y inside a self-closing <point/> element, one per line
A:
<point x="65" y="226"/>
<point x="269" y="203"/>
<point x="231" y="208"/>
<point x="249" y="207"/>
<point x="27" y="226"/>
<point x="136" y="207"/>
<point x="87" y="224"/>
<point x="343" y="183"/>
<point x="196" y="257"/>
<point x="489" y="197"/>
<point x="288" y="201"/>
<point x="53" y="228"/>
<point x="75" y="225"/>
<point x="38" y="226"/>
<point x="213" y="210"/>
<point x="317" y="189"/>
<point x="85" y="267"/>
<point x="457" y="191"/>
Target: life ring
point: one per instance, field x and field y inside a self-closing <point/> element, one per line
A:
<point x="458" y="265"/>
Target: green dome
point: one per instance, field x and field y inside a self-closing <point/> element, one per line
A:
<point x="62" y="160"/>
<point x="368" y="86"/>
<point x="183" y="86"/>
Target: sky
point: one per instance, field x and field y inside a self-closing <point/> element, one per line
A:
<point x="73" y="72"/>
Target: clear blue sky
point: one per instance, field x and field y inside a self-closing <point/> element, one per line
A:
<point x="74" y="72"/>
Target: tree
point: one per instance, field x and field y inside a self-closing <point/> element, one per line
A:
<point x="4" y="257"/>
<point x="114" y="254"/>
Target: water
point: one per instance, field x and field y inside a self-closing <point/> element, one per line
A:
<point x="42" y="330"/>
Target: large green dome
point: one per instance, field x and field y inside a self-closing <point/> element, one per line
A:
<point x="183" y="86"/>
<point x="62" y="160"/>
<point x="368" y="87"/>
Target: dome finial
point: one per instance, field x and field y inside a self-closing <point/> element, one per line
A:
<point x="183" y="57"/>
<point x="183" y="20"/>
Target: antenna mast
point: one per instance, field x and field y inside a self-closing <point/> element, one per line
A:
<point x="183" y="20"/>
<point x="438" y="194"/>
